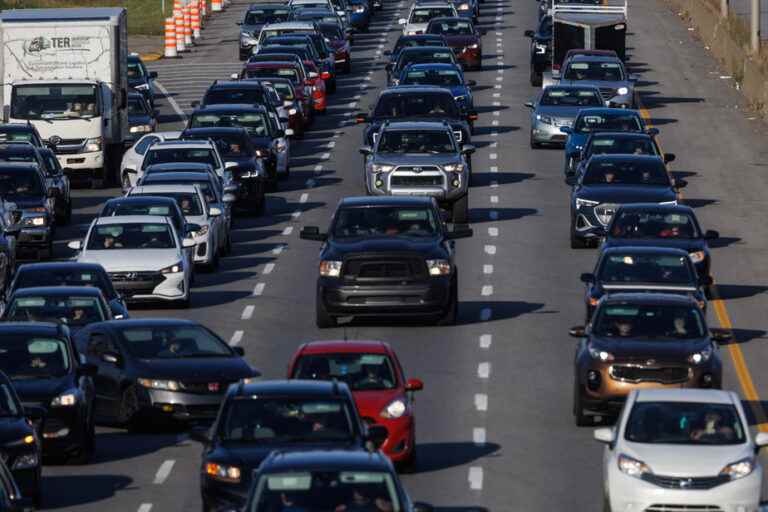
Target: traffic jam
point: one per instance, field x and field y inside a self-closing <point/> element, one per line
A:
<point x="123" y="213"/>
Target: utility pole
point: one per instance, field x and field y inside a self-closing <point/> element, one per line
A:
<point x="724" y="8"/>
<point x="755" y="29"/>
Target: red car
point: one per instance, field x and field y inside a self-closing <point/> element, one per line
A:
<point x="462" y="36"/>
<point x="382" y="394"/>
<point x="317" y="85"/>
<point x="295" y="72"/>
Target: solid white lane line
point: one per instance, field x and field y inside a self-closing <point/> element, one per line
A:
<point x="236" y="338"/>
<point x="259" y="289"/>
<point x="481" y="402"/>
<point x="287" y="230"/>
<point x="164" y="471"/>
<point x="485" y="341"/>
<point x="145" y="507"/>
<point x="478" y="436"/>
<point x="490" y="249"/>
<point x="487" y="290"/>
<point x="248" y="312"/>
<point x="493" y="231"/>
<point x="487" y="269"/>
<point x="304" y="197"/>
<point x="486" y="314"/>
<point x="476" y="478"/>
<point x="484" y="370"/>
<point x="268" y="268"/>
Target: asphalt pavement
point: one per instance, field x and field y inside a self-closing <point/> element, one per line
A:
<point x="494" y="423"/>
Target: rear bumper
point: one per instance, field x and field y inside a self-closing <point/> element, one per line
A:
<point x="431" y="296"/>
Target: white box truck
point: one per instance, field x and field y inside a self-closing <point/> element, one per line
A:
<point x="65" y="71"/>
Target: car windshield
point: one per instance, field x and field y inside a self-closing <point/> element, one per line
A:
<point x="443" y="77"/>
<point x="302" y="52"/>
<point x="385" y="221"/>
<point x="158" y="155"/>
<point x="331" y="32"/>
<point x="73" y="310"/>
<point x="626" y="173"/>
<point x="594" y="71"/>
<point x="49" y="102"/>
<point x="451" y="28"/>
<point x="20" y="184"/>
<point x="412" y="42"/>
<point x="8" y="404"/>
<point x="265" y="16"/>
<point x="137" y="107"/>
<point x="416" y="142"/>
<point x="285" y="420"/>
<point x="189" y="202"/>
<point x="27" y="356"/>
<point x="426" y="57"/>
<point x="619" y="122"/>
<point x="244" y="96"/>
<point x="121" y="209"/>
<point x="254" y="122"/>
<point x="30" y="277"/>
<point x="14" y="154"/>
<point x="646" y="268"/>
<point x="570" y="98"/>
<point x="602" y="144"/>
<point x="442" y="105"/>
<point x="423" y="15"/>
<point x="324" y="491"/>
<point x="361" y="372"/>
<point x="172" y="342"/>
<point x="106" y="237"/>
<point x="677" y="225"/>
<point x="16" y="136"/>
<point x="284" y="89"/>
<point x="135" y="71"/>
<point x="649" y="321"/>
<point x="273" y="72"/>
<point x="694" y="423"/>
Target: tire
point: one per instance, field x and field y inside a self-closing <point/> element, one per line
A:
<point x="536" y="78"/>
<point x="534" y="144"/>
<point x="579" y="418"/>
<point x="460" y="210"/>
<point x="452" y="311"/>
<point x="129" y="407"/>
<point x="322" y="318"/>
<point x="89" y="446"/>
<point x="576" y="242"/>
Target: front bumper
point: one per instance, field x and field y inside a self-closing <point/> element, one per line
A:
<point x="586" y="225"/>
<point x="63" y="431"/>
<point x="77" y="163"/>
<point x="180" y="406"/>
<point x="204" y="249"/>
<point x="218" y="495"/>
<point x="444" y="192"/>
<point x="401" y="438"/>
<point x="547" y="133"/>
<point x="150" y="286"/>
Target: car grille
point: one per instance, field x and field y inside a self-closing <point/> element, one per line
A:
<point x="698" y="483"/>
<point x="384" y="268"/>
<point x="663" y="375"/>
<point x="136" y="283"/>
<point x="607" y="92"/>
<point x="431" y="180"/>
<point x="69" y="146"/>
<point x="205" y="388"/>
<point x="683" y="508"/>
<point x="604" y="212"/>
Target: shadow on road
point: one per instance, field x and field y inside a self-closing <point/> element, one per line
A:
<point x="437" y="456"/>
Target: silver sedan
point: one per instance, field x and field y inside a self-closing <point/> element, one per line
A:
<point x="558" y="106"/>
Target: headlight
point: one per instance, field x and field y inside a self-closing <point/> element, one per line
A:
<point x="261" y="153"/>
<point x="330" y="268"/>
<point x="454" y="167"/>
<point x="26" y="440"/>
<point x="463" y="7"/>
<point x="668" y="203"/>
<point x="632" y="467"/>
<point x="202" y="232"/>
<point x="439" y="267"/>
<point x="142" y="128"/>
<point x="602" y="355"/>
<point x="395" y="409"/>
<point x="142" y="87"/>
<point x="622" y="91"/>
<point x="292" y="112"/>
<point x="224" y="473"/>
<point x="358" y="9"/>
<point x="37" y="221"/>
<point x="26" y="461"/>
<point x="700" y="357"/>
<point x="545" y="119"/>
<point x="739" y="469"/>
<point x="377" y="168"/>
<point x="540" y="49"/>
<point x="581" y="203"/>
<point x="167" y="385"/>
<point x="93" y="145"/>
<point x="173" y="269"/>
<point x="473" y="46"/>
<point x="67" y="399"/>
<point x="247" y="40"/>
<point x="697" y="257"/>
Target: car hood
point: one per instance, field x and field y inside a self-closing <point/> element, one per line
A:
<point x="417" y="159"/>
<point x="139" y="120"/>
<point x="249" y="455"/>
<point x="686" y="460"/>
<point x="388" y="244"/>
<point x="687" y="245"/>
<point x="131" y="260"/>
<point x="371" y="403"/>
<point x="200" y="369"/>
<point x="41" y="390"/>
<point x="641" y="350"/>
<point x="624" y="194"/>
<point x="410" y="27"/>
<point x="559" y="111"/>
<point x="460" y="40"/>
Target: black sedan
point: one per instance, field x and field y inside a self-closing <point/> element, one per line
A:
<point x="414" y="40"/>
<point x="48" y="373"/>
<point x="663" y="226"/>
<point x="621" y="143"/>
<point x="608" y="181"/>
<point x="160" y="369"/>
<point x="70" y="273"/>
<point x="387" y="256"/>
<point x="541" y="49"/>
<point x="141" y="117"/>
<point x="20" y="445"/>
<point x="641" y="269"/>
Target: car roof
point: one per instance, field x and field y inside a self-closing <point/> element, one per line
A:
<point x="434" y="65"/>
<point x="232" y="107"/>
<point x="18" y="166"/>
<point x="58" y="290"/>
<point x="48" y="328"/>
<point x="415" y="89"/>
<point x="716" y="396"/>
<point x="146" y="198"/>
<point x="54" y="265"/>
<point x="130" y="219"/>
<point x="424" y="48"/>
<point x="267" y="5"/>
<point x="386" y="201"/>
<point x="172" y="166"/>
<point x="594" y="58"/>
<point x="290" y="387"/>
<point x="649" y="298"/>
<point x="269" y="64"/>
<point x="344" y="346"/>
<point x="159" y="188"/>
<point x="451" y="18"/>
<point x="280" y="461"/>
<point x="644" y="249"/>
<point x="145" y="322"/>
<point x="608" y="157"/>
<point x="416" y="125"/>
<point x="167" y="135"/>
<point x="656" y="207"/>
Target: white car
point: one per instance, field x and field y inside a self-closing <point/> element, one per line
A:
<point x="422" y="13"/>
<point x="143" y="256"/>
<point x="206" y="225"/>
<point x="134" y="155"/>
<point x="681" y="449"/>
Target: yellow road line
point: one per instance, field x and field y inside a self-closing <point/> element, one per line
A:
<point x="748" y="390"/>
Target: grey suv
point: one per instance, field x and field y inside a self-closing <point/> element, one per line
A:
<point x="420" y="159"/>
<point x="607" y="74"/>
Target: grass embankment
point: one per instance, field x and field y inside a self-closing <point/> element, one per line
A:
<point x="144" y="16"/>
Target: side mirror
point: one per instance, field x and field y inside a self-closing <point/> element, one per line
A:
<point x="377" y="434"/>
<point x="111" y="358"/>
<point x="471" y="83"/>
<point x="402" y="21"/>
<point x="711" y="234"/>
<point x="239" y="351"/>
<point x="214" y="211"/>
<point x="652" y="131"/>
<point x="669" y="157"/>
<point x="365" y="150"/>
<point x="288" y="132"/>
<point x="34" y="413"/>
<point x="529" y="104"/>
<point x="720" y="335"/>
<point x="230" y="165"/>
<point x="587" y="278"/>
<point x="87" y="370"/>
<point x="312" y="233"/>
<point x="187" y="243"/>
<point x="566" y="130"/>
<point x="604" y="435"/>
<point x="467" y="149"/>
<point x="680" y="183"/>
<point x="414" y="385"/>
<point x="75" y="245"/>
<point x="761" y="439"/>
<point x="460" y="231"/>
<point x="153" y="74"/>
<point x="361" y="118"/>
<point x="577" y="332"/>
<point x="229" y="198"/>
<point x="530" y="33"/>
<point x="201" y="434"/>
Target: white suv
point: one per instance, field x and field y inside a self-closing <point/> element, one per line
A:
<point x="422" y="13"/>
<point x="681" y="449"/>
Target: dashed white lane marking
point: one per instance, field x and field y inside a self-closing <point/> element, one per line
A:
<point x="248" y="312"/>
<point x="485" y="341"/>
<point x="500" y="71"/>
<point x="164" y="471"/>
<point x="295" y="215"/>
<point x="494" y="199"/>
<point x="145" y="507"/>
<point x="279" y="249"/>
<point x="478" y="436"/>
<point x="325" y="156"/>
<point x="494" y="144"/>
<point x="259" y="289"/>
<point x="287" y="230"/>
<point x="495" y="122"/>
<point x="496" y="114"/>
<point x="484" y="370"/>
<point x="268" y="268"/>
<point x="331" y="144"/>
<point x="304" y="197"/>
<point x="490" y="249"/>
<point x="494" y="169"/>
<point x="487" y="290"/>
<point x="499" y="33"/>
<point x="494" y="134"/>
<point x="499" y="78"/>
<point x="236" y="338"/>
<point x="319" y="168"/>
<point x="486" y="314"/>
<point x="481" y="402"/>
<point x="476" y="478"/>
<point x="497" y="95"/>
<point x="497" y="86"/>
<point x="493" y="231"/>
<point x="493" y="156"/>
<point x="497" y="103"/>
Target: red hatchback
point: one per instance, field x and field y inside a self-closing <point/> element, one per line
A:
<point x="382" y="394"/>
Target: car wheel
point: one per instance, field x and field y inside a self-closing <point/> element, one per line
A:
<point x="536" y="78"/>
<point x="534" y="144"/>
<point x="322" y="318"/>
<point x="129" y="406"/>
<point x="576" y="242"/>
<point x="451" y="313"/>
<point x="581" y="419"/>
<point x="214" y="264"/>
<point x="228" y="247"/>
<point x="460" y="210"/>
<point x="89" y="445"/>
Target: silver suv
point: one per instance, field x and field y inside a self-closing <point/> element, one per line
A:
<point x="420" y="159"/>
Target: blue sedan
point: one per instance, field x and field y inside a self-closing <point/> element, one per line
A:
<point x="449" y="76"/>
<point x="359" y="15"/>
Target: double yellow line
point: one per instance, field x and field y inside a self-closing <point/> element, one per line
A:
<point x="748" y="390"/>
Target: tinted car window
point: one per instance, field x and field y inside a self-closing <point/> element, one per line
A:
<point x="32" y="277"/>
<point x="451" y="28"/>
<point x="264" y="16"/>
<point x="265" y="72"/>
<point x="142" y="146"/>
<point x="254" y="122"/>
<point x="359" y="371"/>
<point x="649" y="321"/>
<point x="229" y="96"/>
<point x="424" y="57"/>
<point x="74" y="310"/>
<point x="613" y="122"/>
<point x="8" y="406"/>
<point x="625" y="173"/>
<point x="131" y="236"/>
<point x="424" y="141"/>
<point x="137" y="107"/>
<point x="395" y="105"/>
<point x="172" y="342"/>
<point x="178" y="155"/>
<point x="443" y="77"/>
<point x="426" y="14"/>
<point x="570" y="98"/>
<point x="646" y="268"/>
<point x="684" y="423"/>
<point x="33" y="357"/>
<point x="385" y="221"/>
<point x="621" y="145"/>
<point x="20" y="184"/>
<point x="655" y="225"/>
<point x="601" y="71"/>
